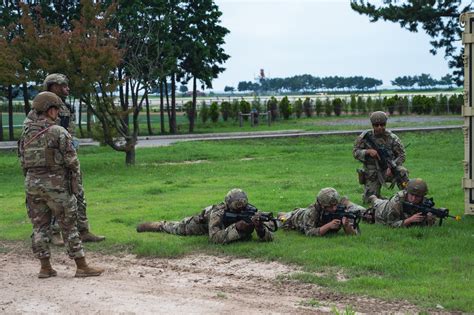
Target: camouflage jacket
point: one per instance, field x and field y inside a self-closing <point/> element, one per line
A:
<point x="309" y="220"/>
<point x="47" y="147"/>
<point x="66" y="118"/>
<point x="389" y="140"/>
<point x="221" y="234"/>
<point x="390" y="212"/>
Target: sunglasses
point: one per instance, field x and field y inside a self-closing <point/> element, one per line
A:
<point x="378" y="125"/>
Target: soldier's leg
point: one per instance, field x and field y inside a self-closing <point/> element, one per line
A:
<point x="40" y="216"/>
<point x="82" y="221"/>
<point x="194" y="225"/>
<point x="64" y="207"/>
<point x="372" y="186"/>
<point x="55" y="232"/>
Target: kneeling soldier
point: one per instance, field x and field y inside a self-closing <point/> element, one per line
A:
<point x="232" y="220"/>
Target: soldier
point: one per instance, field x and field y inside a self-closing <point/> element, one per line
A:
<point x="391" y="212"/>
<point x="312" y="220"/>
<point x="50" y="163"/>
<point x="212" y="221"/>
<point x="379" y="169"/>
<point x="59" y="85"/>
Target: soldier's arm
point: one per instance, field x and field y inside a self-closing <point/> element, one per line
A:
<point x="359" y="150"/>
<point x="310" y="222"/>
<point x="217" y="233"/>
<point x="395" y="216"/>
<point x="263" y="232"/>
<point x="398" y="151"/>
<point x="69" y="153"/>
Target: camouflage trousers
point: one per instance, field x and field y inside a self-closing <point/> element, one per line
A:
<point x="82" y="221"/>
<point x="373" y="185"/>
<point x="42" y="202"/>
<point x="194" y="225"/>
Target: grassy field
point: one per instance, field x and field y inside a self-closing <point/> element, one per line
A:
<point x="424" y="266"/>
<point x="315" y="123"/>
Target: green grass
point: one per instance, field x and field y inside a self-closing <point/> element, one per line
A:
<point x="424" y="266"/>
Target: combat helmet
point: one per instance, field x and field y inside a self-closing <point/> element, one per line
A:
<point x="54" y="78"/>
<point x="236" y="199"/>
<point x="378" y="117"/>
<point x="417" y="187"/>
<point x="45" y="100"/>
<point x="328" y="197"/>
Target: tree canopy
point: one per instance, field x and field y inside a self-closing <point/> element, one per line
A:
<point x="438" y="18"/>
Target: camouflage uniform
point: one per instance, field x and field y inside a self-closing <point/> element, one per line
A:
<point x="48" y="157"/>
<point x="211" y="221"/>
<point x="373" y="176"/>
<point x="391" y="212"/>
<point x="309" y="220"/>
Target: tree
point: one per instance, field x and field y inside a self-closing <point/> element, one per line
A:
<point x="438" y="18"/>
<point x="230" y="89"/>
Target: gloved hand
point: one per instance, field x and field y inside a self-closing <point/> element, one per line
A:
<point x="244" y="227"/>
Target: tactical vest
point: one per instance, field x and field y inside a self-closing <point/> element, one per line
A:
<point x="39" y="147"/>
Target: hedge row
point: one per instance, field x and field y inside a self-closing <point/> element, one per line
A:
<point x="284" y="109"/>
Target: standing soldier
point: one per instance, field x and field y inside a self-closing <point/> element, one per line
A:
<point x="382" y="155"/>
<point x="59" y="85"/>
<point x="317" y="219"/>
<point x="50" y="164"/>
<point x="213" y="221"/>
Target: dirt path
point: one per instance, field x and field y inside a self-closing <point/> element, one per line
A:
<point x="195" y="284"/>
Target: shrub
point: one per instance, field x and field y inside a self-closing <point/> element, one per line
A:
<point x="285" y="107"/>
<point x="378" y="105"/>
<point x="188" y="106"/>
<point x="319" y="107"/>
<point x="455" y="103"/>
<point x="337" y="105"/>
<point x="272" y="106"/>
<point x="390" y="104"/>
<point x="353" y="104"/>
<point x="403" y="105"/>
<point x="226" y="110"/>
<point x="257" y="104"/>
<point x="244" y="107"/>
<point x="298" y="108"/>
<point x="204" y="112"/>
<point x="308" y="108"/>
<point x="361" y="105"/>
<point x="214" y="112"/>
<point x="327" y="107"/>
<point x="370" y="104"/>
<point x="235" y="108"/>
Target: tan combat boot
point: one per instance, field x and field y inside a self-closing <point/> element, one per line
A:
<point x="83" y="270"/>
<point x="87" y="236"/>
<point x="46" y="270"/>
<point x="57" y="239"/>
<point x="150" y="227"/>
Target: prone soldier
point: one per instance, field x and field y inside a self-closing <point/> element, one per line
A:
<point x="232" y="220"/>
<point x="382" y="154"/>
<point x="327" y="215"/>
<point x="47" y="157"/>
<point x="408" y="207"/>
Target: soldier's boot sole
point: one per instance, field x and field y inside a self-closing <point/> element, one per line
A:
<point x="47" y="273"/>
<point x="88" y="272"/>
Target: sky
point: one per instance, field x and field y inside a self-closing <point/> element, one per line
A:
<point x="321" y="38"/>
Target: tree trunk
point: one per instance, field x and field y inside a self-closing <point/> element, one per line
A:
<point x="80" y="119"/>
<point x="26" y="98"/>
<point x="162" y="109"/>
<point x="167" y="104"/>
<point x="148" y="119"/>
<point x="130" y="157"/>
<point x="10" y="112"/>
<point x="173" y="129"/>
<point x="89" y="115"/>
<point x="1" y="125"/>
<point x="193" y="107"/>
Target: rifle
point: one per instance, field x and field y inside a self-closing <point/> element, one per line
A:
<point x="340" y="213"/>
<point x="386" y="160"/>
<point x="247" y="214"/>
<point x="428" y="207"/>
